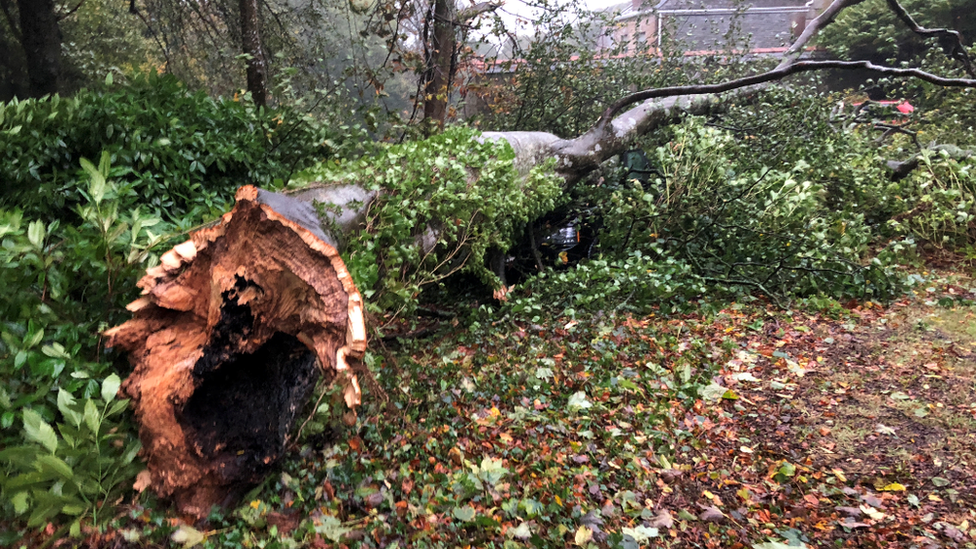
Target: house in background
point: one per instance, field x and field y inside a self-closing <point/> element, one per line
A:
<point x="700" y="27"/>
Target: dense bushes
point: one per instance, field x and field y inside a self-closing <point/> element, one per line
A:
<point x="173" y="149"/>
<point x="61" y="284"/>
<point x="765" y="202"/>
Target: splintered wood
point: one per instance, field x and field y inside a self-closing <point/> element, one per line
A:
<point x="225" y="341"/>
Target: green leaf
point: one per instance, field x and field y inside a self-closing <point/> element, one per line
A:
<point x="491" y="470"/>
<point x="44" y="508"/>
<point x="131" y="451"/>
<point x="532" y="507"/>
<point x="105" y="163"/>
<point x="521" y="532"/>
<point x="117" y="407"/>
<point x="57" y="465"/>
<point x="35" y="233"/>
<point x="110" y="387"/>
<point x="34" y="337"/>
<point x="96" y="188"/>
<point x="66" y="403"/>
<point x="777" y="545"/>
<point x="578" y="401"/>
<point x="640" y="533"/>
<point x="465" y="513"/>
<point x="713" y="391"/>
<point x="55" y="350"/>
<point x="187" y="536"/>
<point x="787" y="469"/>
<point x="74" y="509"/>
<point x="20" y="502"/>
<point x="91" y="416"/>
<point x="331" y="528"/>
<point x="39" y="431"/>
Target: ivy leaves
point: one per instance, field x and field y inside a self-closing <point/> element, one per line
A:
<point x="443" y="204"/>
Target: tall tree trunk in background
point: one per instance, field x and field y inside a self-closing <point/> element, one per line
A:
<point x="440" y="65"/>
<point x="41" y="39"/>
<point x="257" y="69"/>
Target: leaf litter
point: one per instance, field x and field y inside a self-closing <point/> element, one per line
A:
<point x="747" y="428"/>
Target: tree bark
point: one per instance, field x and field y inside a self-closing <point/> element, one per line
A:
<point x="225" y="343"/>
<point x="41" y="40"/>
<point x="253" y="48"/>
<point x="440" y="67"/>
<point x="441" y="63"/>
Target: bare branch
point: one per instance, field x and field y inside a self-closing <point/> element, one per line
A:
<point x="467" y="14"/>
<point x="813" y="28"/>
<point x="11" y="20"/>
<point x="63" y="16"/>
<point x="950" y="40"/>
<point x="778" y="74"/>
<point x="134" y="10"/>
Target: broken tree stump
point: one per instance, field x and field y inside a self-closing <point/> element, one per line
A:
<point x="232" y="331"/>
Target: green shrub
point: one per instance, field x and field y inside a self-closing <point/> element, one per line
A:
<point x="76" y="471"/>
<point x="174" y="150"/>
<point x="768" y="229"/>
<point x="635" y="283"/>
<point x="61" y="284"/>
<point x="940" y="201"/>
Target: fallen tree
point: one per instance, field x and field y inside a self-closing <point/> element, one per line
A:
<point x="226" y="338"/>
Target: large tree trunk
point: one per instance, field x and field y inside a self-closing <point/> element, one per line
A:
<point x="232" y="331"/>
<point x="41" y="40"/>
<point x="257" y="68"/>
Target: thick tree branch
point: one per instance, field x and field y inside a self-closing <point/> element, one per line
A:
<point x="469" y="13"/>
<point x="657" y="107"/>
<point x="950" y="40"/>
<point x="813" y="29"/>
<point x="778" y="74"/>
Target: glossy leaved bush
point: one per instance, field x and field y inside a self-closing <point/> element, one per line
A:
<point x="173" y="149"/>
<point x="67" y="453"/>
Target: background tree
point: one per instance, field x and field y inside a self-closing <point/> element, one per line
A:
<point x="443" y="28"/>
<point x="253" y="48"/>
<point x="94" y="38"/>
